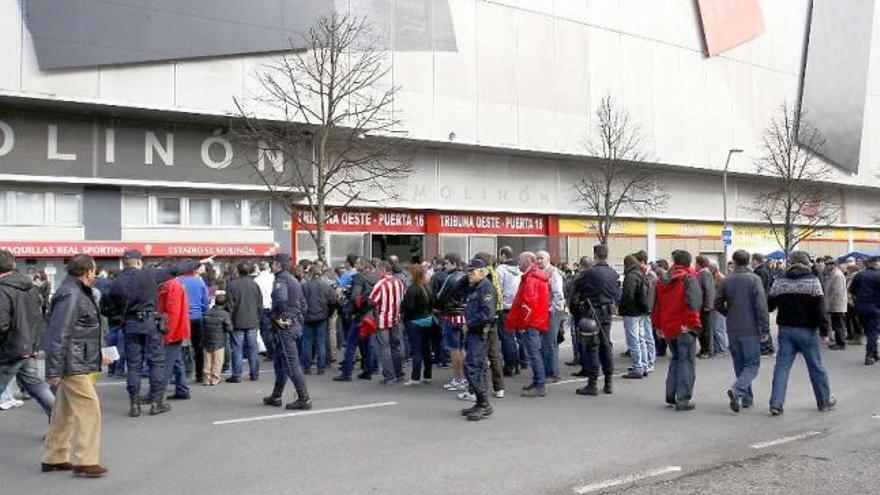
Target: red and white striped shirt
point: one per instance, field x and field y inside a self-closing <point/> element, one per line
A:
<point x="386" y="296"/>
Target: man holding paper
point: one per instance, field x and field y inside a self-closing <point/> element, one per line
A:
<point x="73" y="351"/>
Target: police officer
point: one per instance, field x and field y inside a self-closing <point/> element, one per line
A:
<point x="133" y="296"/>
<point x="598" y="291"/>
<point x="288" y="308"/>
<point x="479" y="313"/>
<point x="865" y="288"/>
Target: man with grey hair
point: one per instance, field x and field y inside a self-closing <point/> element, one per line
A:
<point x="549" y="344"/>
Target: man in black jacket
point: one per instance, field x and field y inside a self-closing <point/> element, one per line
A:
<point x="865" y="288"/>
<point x="73" y="351"/>
<point x="321" y="302"/>
<point x="801" y="303"/>
<point x="21" y="321"/>
<point x="759" y="266"/>
<point x="245" y="302"/>
<point x="633" y="309"/>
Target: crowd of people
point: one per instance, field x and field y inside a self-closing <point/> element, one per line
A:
<point x="486" y="319"/>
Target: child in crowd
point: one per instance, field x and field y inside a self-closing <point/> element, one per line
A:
<point x="217" y="324"/>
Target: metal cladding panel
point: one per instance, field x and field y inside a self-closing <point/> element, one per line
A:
<point x="728" y="23"/>
<point x="102" y="213"/>
<point x="836" y="76"/>
<point x="84" y="33"/>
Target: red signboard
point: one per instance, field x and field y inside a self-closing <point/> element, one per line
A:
<point x="407" y="222"/>
<point x="491" y="223"/>
<point x="114" y="249"/>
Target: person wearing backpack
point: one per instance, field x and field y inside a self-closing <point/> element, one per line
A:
<point x="21" y="322"/>
<point x="677" y="317"/>
<point x="633" y="308"/>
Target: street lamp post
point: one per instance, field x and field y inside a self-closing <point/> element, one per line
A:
<point x="724" y="199"/>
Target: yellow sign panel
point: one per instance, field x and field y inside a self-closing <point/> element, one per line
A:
<point x="866" y="235"/>
<point x="589" y="226"/>
<point x="679" y="229"/>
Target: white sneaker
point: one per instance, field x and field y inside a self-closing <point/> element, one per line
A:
<point x="462" y="386"/>
<point x="452" y="385"/>
<point x="499" y="394"/>
<point x="426" y="381"/>
<point x="467" y="396"/>
<point x="410" y="383"/>
<point x="11" y="404"/>
<point x="650" y="369"/>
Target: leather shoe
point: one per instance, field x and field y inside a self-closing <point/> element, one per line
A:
<point x="60" y="466"/>
<point x="272" y="401"/>
<point x="299" y="404"/>
<point x="341" y="378"/>
<point x="685" y="406"/>
<point x="734" y="401"/>
<point x="634" y="375"/>
<point x="93" y="471"/>
<point x="177" y="397"/>
<point x="233" y="379"/>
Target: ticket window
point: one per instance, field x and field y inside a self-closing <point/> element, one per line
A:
<point x="407" y="248"/>
<point x="454" y="244"/>
<point x="521" y="244"/>
<point x="338" y="245"/>
<point x="482" y="244"/>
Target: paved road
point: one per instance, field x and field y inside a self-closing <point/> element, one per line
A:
<point x="412" y="440"/>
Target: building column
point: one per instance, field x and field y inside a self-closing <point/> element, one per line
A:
<point x="652" y="239"/>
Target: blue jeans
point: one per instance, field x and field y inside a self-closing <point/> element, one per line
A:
<point x="240" y="336"/>
<point x="635" y="342"/>
<point x="575" y="341"/>
<point x="793" y="340"/>
<point x="746" y="355"/>
<point x="719" y="331"/>
<point x="314" y="335"/>
<point x="549" y="345"/>
<point x="420" y="343"/>
<point x="25" y="370"/>
<point x="390" y="352"/>
<point x="287" y="365"/>
<point x="650" y="344"/>
<point x="477" y="347"/>
<point x="144" y="347"/>
<point x="115" y="337"/>
<point x="352" y="342"/>
<point x="509" y="348"/>
<point x="531" y="340"/>
<point x="174" y="369"/>
<point x="682" y="369"/>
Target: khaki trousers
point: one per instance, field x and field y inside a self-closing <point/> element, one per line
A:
<point x="331" y="335"/>
<point x="75" y="427"/>
<point x="213" y="365"/>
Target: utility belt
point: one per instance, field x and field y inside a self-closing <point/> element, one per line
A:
<point x="161" y="319"/>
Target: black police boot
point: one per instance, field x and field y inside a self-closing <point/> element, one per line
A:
<point x="590" y="388"/>
<point x="159" y="406"/>
<point x="272" y="400"/>
<point x="303" y="403"/>
<point x="468" y="411"/>
<point x="607" y="388"/>
<point x="135" y="409"/>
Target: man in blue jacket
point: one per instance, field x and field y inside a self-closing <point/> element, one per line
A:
<point x="865" y="288"/>
<point x="199" y="302"/>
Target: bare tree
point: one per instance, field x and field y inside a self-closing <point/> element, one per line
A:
<point x="800" y="202"/>
<point x="331" y="142"/>
<point x="617" y="180"/>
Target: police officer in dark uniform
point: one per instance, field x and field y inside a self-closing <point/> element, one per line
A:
<point x="133" y="296"/>
<point x="865" y="288"/>
<point x="479" y="313"/>
<point x="598" y="291"/>
<point x="288" y="309"/>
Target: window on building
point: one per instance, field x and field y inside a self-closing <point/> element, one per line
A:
<point x="200" y="212"/>
<point x="168" y="211"/>
<point x="305" y="247"/>
<point x="481" y="244"/>
<point x="343" y="244"/>
<point x="230" y="212"/>
<point x="135" y="210"/>
<point x="4" y="216"/>
<point x="454" y="244"/>
<point x="30" y="208"/>
<point x="259" y="213"/>
<point x="68" y="209"/>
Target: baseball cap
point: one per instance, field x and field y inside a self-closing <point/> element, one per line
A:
<point x="476" y="264"/>
<point x="132" y="254"/>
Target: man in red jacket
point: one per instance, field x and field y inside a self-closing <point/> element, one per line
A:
<point x="530" y="315"/>
<point x="173" y="304"/>
<point x="677" y="318"/>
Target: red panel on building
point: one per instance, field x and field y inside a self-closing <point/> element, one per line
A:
<point x="113" y="249"/>
<point x="728" y="23"/>
<point x="405" y="222"/>
<point x="491" y="223"/>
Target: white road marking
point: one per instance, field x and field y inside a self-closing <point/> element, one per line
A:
<point x="780" y="441"/>
<point x="875" y="416"/>
<point x="626" y="480"/>
<point x="305" y="413"/>
<point x="563" y="382"/>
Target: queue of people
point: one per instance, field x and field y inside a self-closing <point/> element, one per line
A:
<point x="485" y="318"/>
